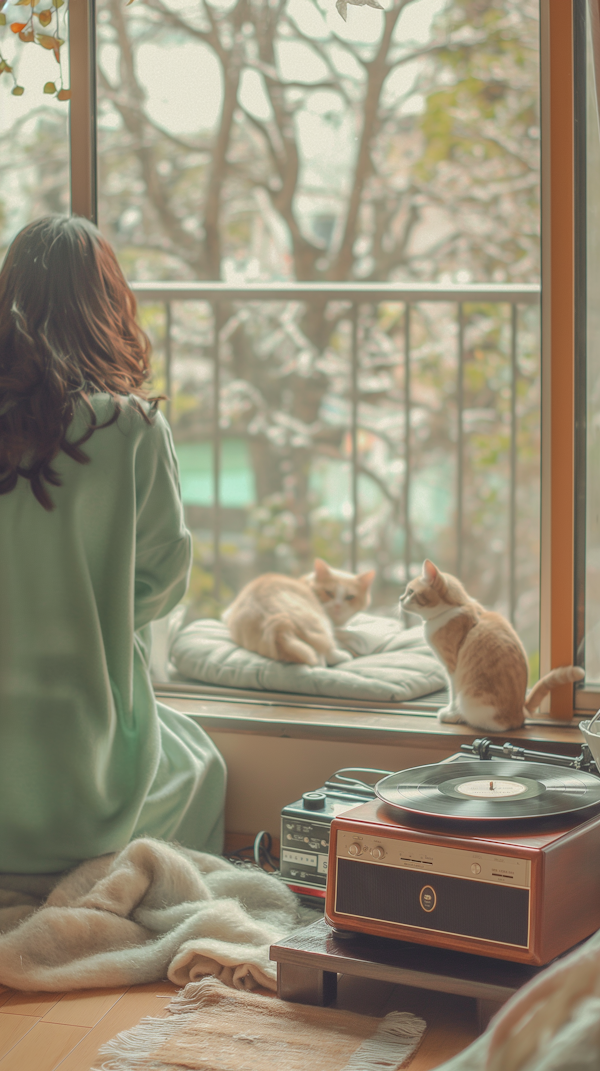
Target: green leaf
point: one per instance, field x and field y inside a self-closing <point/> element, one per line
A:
<point x="18" y="91"/>
<point x="48" y="41"/>
<point x="2" y="19"/>
<point x="49" y="87"/>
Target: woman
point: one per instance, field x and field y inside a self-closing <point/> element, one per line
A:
<point x="93" y="547"/>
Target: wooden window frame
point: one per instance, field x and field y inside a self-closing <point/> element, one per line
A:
<point x="82" y="108"/>
<point x="562" y="587"/>
<point x="557" y="587"/>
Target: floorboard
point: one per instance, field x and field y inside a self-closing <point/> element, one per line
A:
<point x="12" y="1029"/>
<point x="30" y="1003"/>
<point x="126" y="1012"/>
<point x="43" y="1047"/>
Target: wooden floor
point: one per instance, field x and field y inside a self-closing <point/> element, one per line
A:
<point x="63" y="1031"/>
<point x="43" y="1031"/>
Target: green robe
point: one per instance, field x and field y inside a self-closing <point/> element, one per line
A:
<point x="88" y="758"/>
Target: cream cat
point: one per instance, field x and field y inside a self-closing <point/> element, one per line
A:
<point x="481" y="652"/>
<point x="293" y="620"/>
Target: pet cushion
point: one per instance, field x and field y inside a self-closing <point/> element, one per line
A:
<point x="393" y="664"/>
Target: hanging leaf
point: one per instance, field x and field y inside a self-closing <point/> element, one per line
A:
<point x="21" y="3"/>
<point x="50" y="42"/>
<point x="2" y="19"/>
<point x="16" y="27"/>
<point x="45" y="17"/>
<point x="47" y="41"/>
<point x="63" y="94"/>
<point x="49" y="87"/>
<point x="26" y="35"/>
<point x="59" y="3"/>
<point x="18" y="91"/>
<point x="5" y="68"/>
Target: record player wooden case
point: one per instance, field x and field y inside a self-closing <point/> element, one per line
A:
<point x="526" y="892"/>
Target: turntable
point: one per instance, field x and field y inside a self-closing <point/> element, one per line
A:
<point x="494" y="856"/>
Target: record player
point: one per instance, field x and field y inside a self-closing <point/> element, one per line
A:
<point x="497" y="856"/>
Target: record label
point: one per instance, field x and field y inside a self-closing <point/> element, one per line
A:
<point x="490" y="790"/>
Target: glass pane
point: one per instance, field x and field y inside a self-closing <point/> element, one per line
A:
<point x="34" y="132"/>
<point x="270" y="143"/>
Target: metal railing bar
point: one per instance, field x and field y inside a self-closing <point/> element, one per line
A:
<point x="407" y="529"/>
<point x="168" y="358"/>
<point x="460" y="401"/>
<point x="361" y="292"/>
<point x="216" y="452"/>
<point x="512" y="508"/>
<point x="354" y="437"/>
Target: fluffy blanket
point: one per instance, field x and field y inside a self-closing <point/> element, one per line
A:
<point x="149" y="912"/>
<point x="391" y="664"/>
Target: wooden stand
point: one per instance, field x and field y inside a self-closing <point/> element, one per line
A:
<point x="309" y="961"/>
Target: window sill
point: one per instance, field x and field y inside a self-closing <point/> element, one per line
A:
<point x="409" y="724"/>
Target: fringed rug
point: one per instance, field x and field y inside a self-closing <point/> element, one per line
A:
<point x="213" y="1028"/>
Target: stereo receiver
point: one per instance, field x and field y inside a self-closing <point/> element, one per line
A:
<point x="305" y="827"/>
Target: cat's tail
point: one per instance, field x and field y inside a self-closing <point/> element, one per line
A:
<point x="283" y="640"/>
<point x="556" y="677"/>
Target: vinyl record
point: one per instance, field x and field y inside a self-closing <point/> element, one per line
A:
<point x="490" y="791"/>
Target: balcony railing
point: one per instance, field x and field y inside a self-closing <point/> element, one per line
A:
<point x="217" y="295"/>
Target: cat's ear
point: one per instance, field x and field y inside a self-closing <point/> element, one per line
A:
<point x="366" y="579"/>
<point x="322" y="570"/>
<point x="430" y="571"/>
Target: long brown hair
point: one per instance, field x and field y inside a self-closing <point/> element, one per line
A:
<point x="67" y="330"/>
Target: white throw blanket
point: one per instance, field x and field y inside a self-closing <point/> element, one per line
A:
<point x="149" y="912"/>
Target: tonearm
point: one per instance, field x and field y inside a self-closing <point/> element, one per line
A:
<point x="485" y="749"/>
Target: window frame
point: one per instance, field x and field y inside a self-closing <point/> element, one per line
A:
<point x="557" y="565"/>
<point x="557" y="557"/>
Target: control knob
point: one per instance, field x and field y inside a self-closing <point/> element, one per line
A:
<point x="377" y="852"/>
<point x="354" y="849"/>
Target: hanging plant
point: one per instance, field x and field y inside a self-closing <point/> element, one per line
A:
<point x="45" y="26"/>
<point x="37" y="24"/>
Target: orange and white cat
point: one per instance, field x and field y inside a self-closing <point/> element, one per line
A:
<point x="294" y="620"/>
<point x="481" y="653"/>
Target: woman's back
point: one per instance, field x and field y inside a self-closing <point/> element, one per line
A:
<point x="75" y="696"/>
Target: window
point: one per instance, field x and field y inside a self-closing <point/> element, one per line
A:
<point x="333" y="231"/>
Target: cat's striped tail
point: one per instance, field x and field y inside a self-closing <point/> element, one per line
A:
<point x="562" y="675"/>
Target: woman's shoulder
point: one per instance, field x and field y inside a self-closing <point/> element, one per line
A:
<point x="130" y="413"/>
<point x="125" y="423"/>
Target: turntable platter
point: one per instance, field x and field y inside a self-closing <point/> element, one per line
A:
<point x="490" y="790"/>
